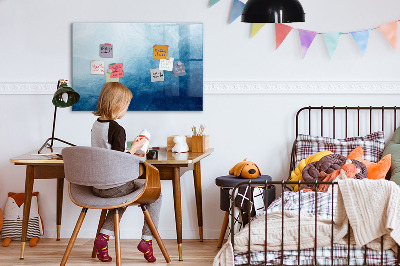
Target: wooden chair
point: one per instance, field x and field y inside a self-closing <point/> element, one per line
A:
<point x="85" y="167"/>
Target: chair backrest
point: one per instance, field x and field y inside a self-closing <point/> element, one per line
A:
<point x="92" y="166"/>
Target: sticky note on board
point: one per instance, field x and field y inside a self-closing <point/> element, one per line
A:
<point x="106" y="50"/>
<point x="110" y="79"/>
<point x="96" y="67"/>
<point x="160" y="51"/>
<point x="166" y="64"/>
<point x="179" y="70"/>
<point x="156" y="75"/>
<point x="117" y="70"/>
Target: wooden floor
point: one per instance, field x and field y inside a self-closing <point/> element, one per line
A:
<point x="50" y="252"/>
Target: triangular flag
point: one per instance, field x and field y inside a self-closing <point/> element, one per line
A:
<point x="332" y="41"/>
<point x="281" y="31"/>
<point x="213" y="2"/>
<point x="256" y="27"/>
<point x="237" y="9"/>
<point x="306" y="39"/>
<point x="390" y="32"/>
<point x="361" y="37"/>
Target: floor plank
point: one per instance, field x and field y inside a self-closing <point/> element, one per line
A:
<point x="50" y="252"/>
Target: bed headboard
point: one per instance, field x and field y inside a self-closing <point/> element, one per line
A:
<point x="344" y="121"/>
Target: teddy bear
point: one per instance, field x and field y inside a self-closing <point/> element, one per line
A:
<point x="180" y="144"/>
<point x="13" y="215"/>
<point x="245" y="169"/>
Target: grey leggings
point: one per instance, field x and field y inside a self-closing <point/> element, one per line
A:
<point x="154" y="208"/>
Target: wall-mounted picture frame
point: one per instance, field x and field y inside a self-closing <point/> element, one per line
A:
<point x="161" y="63"/>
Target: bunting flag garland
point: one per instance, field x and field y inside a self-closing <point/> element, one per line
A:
<point x="361" y="37"/>
<point x="213" y="2"/>
<point x="237" y="9"/>
<point x="389" y="30"/>
<point x="306" y="39"/>
<point x="281" y="31"/>
<point x="256" y="27"/>
<point x="332" y="41"/>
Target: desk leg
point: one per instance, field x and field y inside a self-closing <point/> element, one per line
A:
<point x="60" y="190"/>
<point x="176" y="182"/>
<point x="27" y="206"/>
<point x="199" y="204"/>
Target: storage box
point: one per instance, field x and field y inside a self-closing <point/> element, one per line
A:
<point x="171" y="143"/>
<point x="200" y="143"/>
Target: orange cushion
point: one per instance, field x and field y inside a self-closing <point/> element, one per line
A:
<point x="375" y="170"/>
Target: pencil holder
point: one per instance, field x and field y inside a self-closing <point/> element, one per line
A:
<point x="200" y="143"/>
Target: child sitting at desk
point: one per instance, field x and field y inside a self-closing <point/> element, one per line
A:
<point x="106" y="133"/>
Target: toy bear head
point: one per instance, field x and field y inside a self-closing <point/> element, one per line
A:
<point x="245" y="169"/>
<point x="179" y="139"/>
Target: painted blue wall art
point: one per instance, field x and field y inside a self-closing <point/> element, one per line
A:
<point x="161" y="63"/>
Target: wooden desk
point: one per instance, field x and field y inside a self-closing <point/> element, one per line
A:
<point x="171" y="167"/>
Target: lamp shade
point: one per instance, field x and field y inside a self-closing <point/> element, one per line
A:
<point x="65" y="96"/>
<point x="273" y="11"/>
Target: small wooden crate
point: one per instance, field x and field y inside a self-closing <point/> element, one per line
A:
<point x="200" y="143"/>
<point x="171" y="143"/>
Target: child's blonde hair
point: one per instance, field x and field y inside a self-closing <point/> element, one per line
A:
<point x="113" y="97"/>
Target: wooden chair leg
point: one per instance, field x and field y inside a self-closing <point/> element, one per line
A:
<point x="117" y="238"/>
<point x="73" y="237"/>
<point x="101" y="222"/>
<point x="223" y="229"/>
<point x="154" y="230"/>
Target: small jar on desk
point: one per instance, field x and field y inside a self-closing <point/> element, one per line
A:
<point x="228" y="182"/>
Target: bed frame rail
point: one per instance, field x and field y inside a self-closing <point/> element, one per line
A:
<point x="265" y="185"/>
<point x="343" y="119"/>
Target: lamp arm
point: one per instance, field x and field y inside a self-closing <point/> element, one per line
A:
<point x="54" y="126"/>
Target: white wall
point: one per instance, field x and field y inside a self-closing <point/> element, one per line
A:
<point x="35" y="42"/>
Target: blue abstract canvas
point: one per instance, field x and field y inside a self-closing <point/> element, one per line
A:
<point x="132" y="45"/>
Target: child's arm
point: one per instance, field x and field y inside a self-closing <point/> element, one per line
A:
<point x="136" y="145"/>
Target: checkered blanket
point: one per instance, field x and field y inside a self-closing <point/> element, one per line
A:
<point x="324" y="206"/>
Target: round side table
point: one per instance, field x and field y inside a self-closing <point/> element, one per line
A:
<point x="228" y="182"/>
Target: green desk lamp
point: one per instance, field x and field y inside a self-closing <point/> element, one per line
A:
<point x="65" y="96"/>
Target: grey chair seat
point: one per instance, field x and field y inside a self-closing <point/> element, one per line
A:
<point x="85" y="167"/>
<point x="83" y="196"/>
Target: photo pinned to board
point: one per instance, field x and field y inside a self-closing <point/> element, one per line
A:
<point x="96" y="67"/>
<point x="106" y="50"/>
<point x="160" y="51"/>
<point x="110" y="79"/>
<point x="117" y="70"/>
<point x="157" y="75"/>
<point x="179" y="69"/>
<point x="166" y="64"/>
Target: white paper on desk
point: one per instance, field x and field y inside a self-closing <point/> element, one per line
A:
<point x="167" y="65"/>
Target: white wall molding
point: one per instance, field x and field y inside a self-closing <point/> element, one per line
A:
<point x="28" y="88"/>
<point x="302" y="87"/>
<point x="248" y="87"/>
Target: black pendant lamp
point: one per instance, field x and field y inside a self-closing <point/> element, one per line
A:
<point x="273" y="11"/>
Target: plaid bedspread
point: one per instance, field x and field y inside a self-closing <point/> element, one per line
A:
<point x="307" y="202"/>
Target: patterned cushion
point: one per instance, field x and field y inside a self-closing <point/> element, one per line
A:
<point x="372" y="144"/>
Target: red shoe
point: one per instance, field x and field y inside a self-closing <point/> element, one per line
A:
<point x="146" y="247"/>
<point x="101" y="245"/>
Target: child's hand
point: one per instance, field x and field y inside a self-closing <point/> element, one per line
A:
<point x="143" y="155"/>
<point x="137" y="144"/>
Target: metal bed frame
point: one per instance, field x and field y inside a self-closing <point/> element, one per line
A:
<point x="283" y="184"/>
